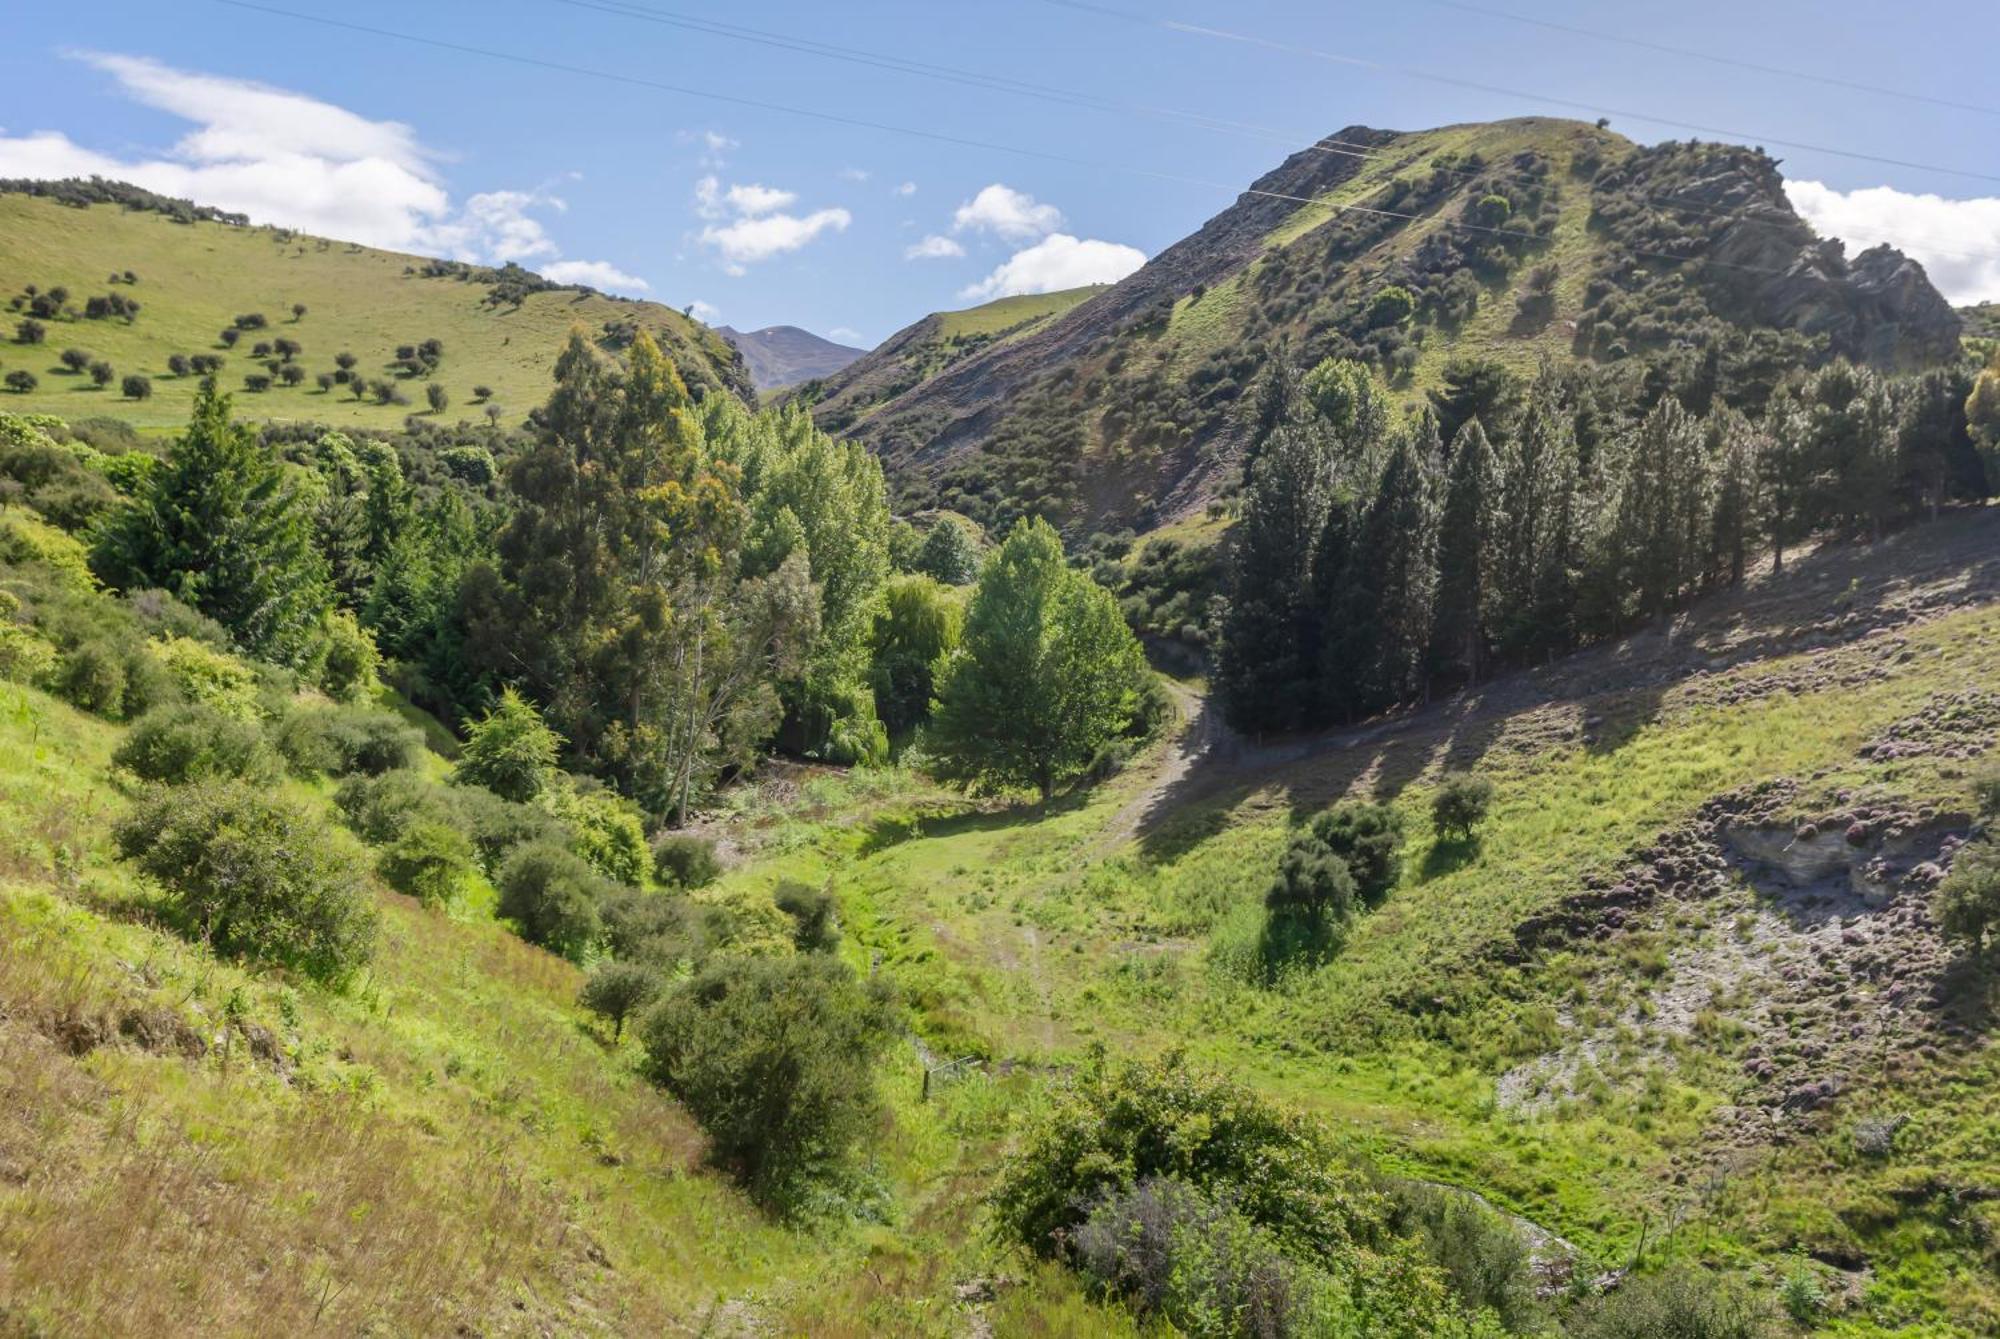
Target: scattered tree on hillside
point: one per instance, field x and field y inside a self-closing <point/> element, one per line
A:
<point x="1459" y="805"/>
<point x="137" y="387"/>
<point x="298" y="311"/>
<point x="29" y="331"/>
<point x="948" y="553"/>
<point x="616" y="991"/>
<point x="178" y="364"/>
<point x="21" y="382"/>
<point x="435" y="395"/>
<point x="76" y="360"/>
<point x="509" y="750"/>
<point x="1046" y="672"/>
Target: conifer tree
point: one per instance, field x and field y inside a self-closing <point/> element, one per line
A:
<point x="1468" y="534"/>
<point x="224" y="528"/>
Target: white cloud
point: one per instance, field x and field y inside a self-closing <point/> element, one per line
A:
<point x="847" y="334"/>
<point x="289" y="159"/>
<point x="1958" y="241"/>
<point x="597" y="273"/>
<point x="1008" y="213"/>
<point x="703" y="311"/>
<point x="933" y="247"/>
<point x="749" y="240"/>
<point x="755" y="199"/>
<point x="907" y="188"/>
<point x="715" y="146"/>
<point x="1056" y="262"/>
<point x="855" y="174"/>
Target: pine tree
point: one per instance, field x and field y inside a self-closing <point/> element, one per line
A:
<point x="1738" y="496"/>
<point x="1468" y="533"/>
<point x="1268" y="650"/>
<point x="1396" y="562"/>
<point x="225" y="529"/>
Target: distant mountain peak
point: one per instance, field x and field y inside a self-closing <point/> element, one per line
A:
<point x="784" y="355"/>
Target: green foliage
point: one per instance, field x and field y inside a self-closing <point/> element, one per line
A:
<point x="682" y="860"/>
<point x="1391" y="305"/>
<point x="380" y="809"/>
<point x="1967" y="902"/>
<point x="552" y="894"/>
<point x="350" y="660"/>
<point x="92" y="677"/>
<point x="915" y="631"/>
<point x="254" y="875"/>
<point x="509" y="750"/>
<point x="430" y="861"/>
<point x="605" y="828"/>
<point x="1046" y="673"/>
<point x="1459" y="804"/>
<point x="191" y="741"/>
<point x="948" y="553"/>
<point x="775" y="1057"/>
<point x="1481" y="1254"/>
<point x="616" y="991"/>
<point x="1681" y="1303"/>
<point x="223" y="527"/>
<point x="812" y="911"/>
<point x="208" y="676"/>
<point x="1369" y="837"/>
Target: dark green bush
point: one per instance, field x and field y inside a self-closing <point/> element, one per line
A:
<point x="498" y="826"/>
<point x="92" y="677"/>
<point x="380" y="809"/>
<point x="253" y="875"/>
<point x="1481" y="1254"/>
<point x="1369" y="837"/>
<point x="662" y="930"/>
<point x="552" y="895"/>
<point x="812" y="911"/>
<point x="1460" y="805"/>
<point x="776" y="1058"/>
<point x="344" y="740"/>
<point x="686" y="861"/>
<point x="616" y="991"/>
<point x="191" y="741"/>
<point x="430" y="861"/>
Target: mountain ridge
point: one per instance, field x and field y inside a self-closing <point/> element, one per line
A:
<point x="783" y="355"/>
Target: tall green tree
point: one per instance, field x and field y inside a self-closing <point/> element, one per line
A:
<point x="916" y="630"/>
<point x="1468" y="538"/>
<point x="226" y="528"/>
<point x="1739" y="503"/>
<point x="1663" y="515"/>
<point x="1046" y="673"/>
<point x="1383" y="615"/>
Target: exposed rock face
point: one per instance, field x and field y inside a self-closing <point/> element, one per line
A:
<point x="1879" y="308"/>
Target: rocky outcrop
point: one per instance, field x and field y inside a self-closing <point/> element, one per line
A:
<point x="1879" y="308"/>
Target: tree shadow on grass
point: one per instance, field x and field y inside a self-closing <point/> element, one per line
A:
<point x="1447" y="855"/>
<point x="925" y="824"/>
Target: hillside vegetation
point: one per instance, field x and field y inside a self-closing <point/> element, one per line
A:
<point x="193" y="279"/>
<point x="1513" y="242"/>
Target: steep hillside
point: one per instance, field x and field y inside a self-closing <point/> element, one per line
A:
<point x="498" y="329"/>
<point x="1513" y="240"/>
<point x="916" y="353"/>
<point x="783" y="355"/>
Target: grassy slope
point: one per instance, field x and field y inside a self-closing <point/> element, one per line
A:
<point x="990" y="318"/>
<point x="193" y="279"/>
<point x="1035" y="938"/>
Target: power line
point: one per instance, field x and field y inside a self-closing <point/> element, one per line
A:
<point x="838" y="118"/>
<point x="1072" y="97"/>
<point x="1409" y="72"/>
<point x="1715" y="58"/>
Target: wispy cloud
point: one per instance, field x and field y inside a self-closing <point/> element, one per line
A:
<point x="933" y="247"/>
<point x="749" y="222"/>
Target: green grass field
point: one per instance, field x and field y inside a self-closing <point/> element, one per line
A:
<point x="991" y="318"/>
<point x="194" y="279"/>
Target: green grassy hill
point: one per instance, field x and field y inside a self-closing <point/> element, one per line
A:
<point x="1649" y="1010"/>
<point x="1513" y="241"/>
<point x="195" y="278"/>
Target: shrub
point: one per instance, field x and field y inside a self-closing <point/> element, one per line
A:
<point x="604" y="826"/>
<point x="191" y="741"/>
<point x="255" y="876"/>
<point x="812" y="912"/>
<point x="25" y="655"/>
<point x="136" y="387"/>
<point x="380" y="809"/>
<point x="430" y="861"/>
<point x="1481" y="1254"/>
<point x="498" y="826"/>
<point x="435" y="396"/>
<point x="1369" y="837"/>
<point x="1108" y="1130"/>
<point x="373" y="742"/>
<point x="1679" y="1304"/>
<point x="92" y="677"/>
<point x="686" y="861"/>
<point x="1460" y="805"/>
<point x="1968" y="901"/>
<point x="552" y="895"/>
<point x="350" y="661"/>
<point x="616" y="991"/>
<point x="21" y="382"/>
<point x="775" y="1057"/>
<point x="208" y="676"/>
<point x="509" y="750"/>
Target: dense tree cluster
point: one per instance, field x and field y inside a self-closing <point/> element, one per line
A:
<point x="1376" y="558"/>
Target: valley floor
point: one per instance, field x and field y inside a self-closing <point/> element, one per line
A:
<point x="1647" y="1011"/>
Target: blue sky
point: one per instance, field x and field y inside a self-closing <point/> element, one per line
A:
<point x="764" y="217"/>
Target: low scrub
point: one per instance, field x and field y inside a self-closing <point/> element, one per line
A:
<point x="192" y="741"/>
<point x="254" y="876"/>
